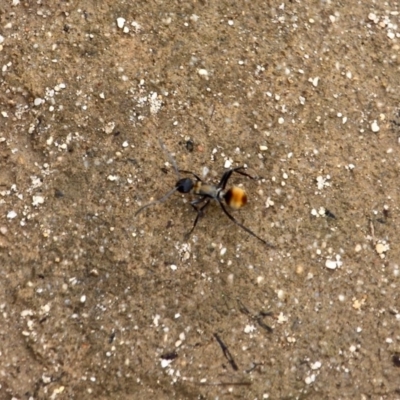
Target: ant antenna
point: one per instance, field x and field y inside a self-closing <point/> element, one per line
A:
<point x="165" y="197"/>
<point x="170" y="158"/>
<point x="183" y="185"/>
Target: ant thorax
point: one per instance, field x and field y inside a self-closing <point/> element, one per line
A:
<point x="203" y="189"/>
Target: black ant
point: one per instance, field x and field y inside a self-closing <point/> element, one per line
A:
<point x="235" y="197"/>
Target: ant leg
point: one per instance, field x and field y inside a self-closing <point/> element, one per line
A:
<point x="191" y="173"/>
<point x="200" y="212"/>
<point x="242" y="226"/>
<point x="239" y="171"/>
<point x="226" y="176"/>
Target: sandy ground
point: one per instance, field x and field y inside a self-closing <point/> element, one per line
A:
<point x="97" y="303"/>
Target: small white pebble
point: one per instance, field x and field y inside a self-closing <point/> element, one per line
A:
<point x="82" y="299"/>
<point x="249" y="328"/>
<point x="26" y="313"/>
<point x="36" y="200"/>
<point x="223" y="251"/>
<point x="120" y="22"/>
<point x="269" y="202"/>
<point x="310" y="379"/>
<point x="314" y="81"/>
<point x="112" y="178"/>
<point x="316" y="365"/>
<point x="381" y="248"/>
<point x="228" y="163"/>
<point x="11" y="214"/>
<point x="263" y="148"/>
<point x="375" y="127"/>
<point x="281" y="294"/>
<point x="202" y="72"/>
<point x="282" y="318"/>
<point x="331" y="264"/>
<point x="165" y="363"/>
<point x="173" y="267"/>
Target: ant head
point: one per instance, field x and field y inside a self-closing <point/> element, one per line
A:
<point x="235" y="197"/>
<point x="184" y="185"/>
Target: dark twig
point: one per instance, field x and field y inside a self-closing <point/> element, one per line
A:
<point x="226" y="352"/>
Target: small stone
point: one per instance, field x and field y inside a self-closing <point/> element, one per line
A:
<point x="310" y="379"/>
<point x="120" y="22"/>
<point x="202" y="72"/>
<point x="228" y="163"/>
<point x="331" y="264"/>
<point x="381" y="248"/>
<point x="373" y="17"/>
<point x="36" y="200"/>
<point x="11" y="214"/>
<point x="249" y="328"/>
<point x="316" y="365"/>
<point x="165" y="363"/>
<point x="375" y="127"/>
<point x="314" y="81"/>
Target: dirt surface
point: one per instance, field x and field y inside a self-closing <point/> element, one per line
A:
<point x="97" y="303"/>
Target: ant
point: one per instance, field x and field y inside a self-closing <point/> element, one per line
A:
<point x="234" y="197"/>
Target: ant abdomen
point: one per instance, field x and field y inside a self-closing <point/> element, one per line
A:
<point x="235" y="197"/>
